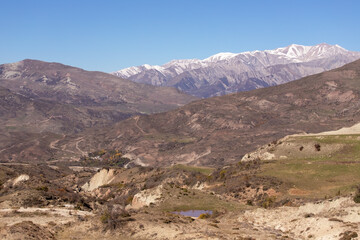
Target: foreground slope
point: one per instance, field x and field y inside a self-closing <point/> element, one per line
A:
<point x="225" y="73"/>
<point x="221" y="130"/>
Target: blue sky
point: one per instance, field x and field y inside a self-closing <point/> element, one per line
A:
<point x="108" y="35"/>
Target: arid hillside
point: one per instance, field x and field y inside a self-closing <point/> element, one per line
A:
<point x="220" y="130"/>
<point x="41" y="102"/>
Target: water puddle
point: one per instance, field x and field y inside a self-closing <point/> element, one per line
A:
<point x="193" y="213"/>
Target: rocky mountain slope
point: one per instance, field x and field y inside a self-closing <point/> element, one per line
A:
<point x="220" y="130"/>
<point x="225" y="73"/>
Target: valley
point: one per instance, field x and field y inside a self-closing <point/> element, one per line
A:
<point x="274" y="163"/>
<point x="315" y="198"/>
<point x="180" y="120"/>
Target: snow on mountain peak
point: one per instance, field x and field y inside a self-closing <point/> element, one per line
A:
<point x="293" y="53"/>
<point x="220" y="57"/>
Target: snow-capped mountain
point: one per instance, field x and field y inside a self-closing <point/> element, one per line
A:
<point x="227" y="72"/>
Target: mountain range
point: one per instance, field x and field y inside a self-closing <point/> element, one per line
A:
<point x="225" y="73"/>
<point x="220" y="130"/>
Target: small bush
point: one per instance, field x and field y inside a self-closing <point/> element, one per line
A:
<point x="42" y="188"/>
<point x="104" y="218"/>
<point x="222" y="173"/>
<point x="268" y="202"/>
<point x="129" y="200"/>
<point x="204" y="216"/>
<point x="115" y="218"/>
<point x="249" y="202"/>
<point x="357" y="196"/>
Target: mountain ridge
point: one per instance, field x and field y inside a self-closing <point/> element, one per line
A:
<point x="225" y="73"/>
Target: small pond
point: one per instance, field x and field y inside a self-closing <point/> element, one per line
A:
<point x="193" y="213"/>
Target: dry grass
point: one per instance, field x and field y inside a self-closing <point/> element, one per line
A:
<point x="325" y="174"/>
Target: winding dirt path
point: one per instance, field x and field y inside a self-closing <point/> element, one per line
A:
<point x="136" y="124"/>
<point x="53" y="143"/>
<point x="79" y="140"/>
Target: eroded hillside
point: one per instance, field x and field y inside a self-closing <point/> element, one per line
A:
<point x="221" y="130"/>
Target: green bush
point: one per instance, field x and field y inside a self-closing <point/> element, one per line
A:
<point x="357" y="198"/>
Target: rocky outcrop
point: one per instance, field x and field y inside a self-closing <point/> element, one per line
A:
<point x="103" y="177"/>
<point x="17" y="180"/>
<point x="328" y="219"/>
<point x="146" y="197"/>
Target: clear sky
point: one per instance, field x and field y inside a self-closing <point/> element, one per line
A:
<point x="109" y="35"/>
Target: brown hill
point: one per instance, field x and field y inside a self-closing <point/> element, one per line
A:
<point x="102" y="94"/>
<point x="41" y="101"/>
<point x="221" y="130"/>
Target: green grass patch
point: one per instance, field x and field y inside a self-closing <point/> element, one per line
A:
<point x="197" y="200"/>
<point x="320" y="175"/>
<point x="203" y="170"/>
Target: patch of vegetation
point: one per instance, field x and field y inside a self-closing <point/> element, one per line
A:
<point x="114" y="217"/>
<point x="204" y="216"/>
<point x="222" y="173"/>
<point x="348" y="235"/>
<point x="357" y="195"/>
<point x="174" y="201"/>
<point x="321" y="174"/>
<point x="203" y="170"/>
<point x="42" y="188"/>
<point x="268" y="202"/>
<point x="104" y="158"/>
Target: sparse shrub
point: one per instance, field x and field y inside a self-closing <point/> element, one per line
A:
<point x="204" y="216"/>
<point x="348" y="235"/>
<point x="104" y="218"/>
<point x="115" y="218"/>
<point x="129" y="199"/>
<point x="268" y="202"/>
<point x="42" y="188"/>
<point x="301" y="148"/>
<point x="317" y="147"/>
<point x="249" y="202"/>
<point x="222" y="173"/>
<point x="357" y="196"/>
